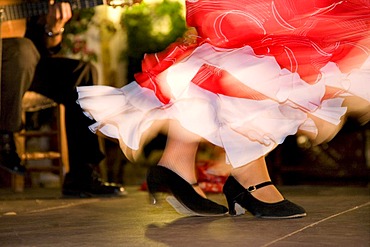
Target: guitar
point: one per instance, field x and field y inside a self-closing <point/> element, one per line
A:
<point x="13" y="13"/>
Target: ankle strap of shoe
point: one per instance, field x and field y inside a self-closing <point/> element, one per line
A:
<point x="252" y="188"/>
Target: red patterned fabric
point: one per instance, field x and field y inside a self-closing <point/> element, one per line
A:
<point x="153" y="64"/>
<point x="301" y="35"/>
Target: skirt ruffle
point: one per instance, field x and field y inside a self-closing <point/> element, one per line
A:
<point x="264" y="104"/>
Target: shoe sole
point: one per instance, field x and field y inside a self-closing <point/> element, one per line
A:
<point x="296" y="216"/>
<point x="182" y="209"/>
<point x="240" y="211"/>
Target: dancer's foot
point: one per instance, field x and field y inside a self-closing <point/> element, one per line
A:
<point x="199" y="190"/>
<point x="251" y="188"/>
<point x="185" y="199"/>
<point x="240" y="198"/>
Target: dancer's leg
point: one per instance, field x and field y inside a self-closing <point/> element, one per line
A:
<point x="357" y="108"/>
<point x="180" y="153"/>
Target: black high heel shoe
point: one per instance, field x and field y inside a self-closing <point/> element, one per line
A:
<point x="236" y="194"/>
<point x="185" y="199"/>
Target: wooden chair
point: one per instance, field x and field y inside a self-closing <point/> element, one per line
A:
<point x="55" y="158"/>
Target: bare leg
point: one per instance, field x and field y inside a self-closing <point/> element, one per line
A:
<point x="357" y="108"/>
<point x="180" y="152"/>
<point x="326" y="130"/>
<point x="254" y="173"/>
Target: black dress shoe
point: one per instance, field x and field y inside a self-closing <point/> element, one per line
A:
<point x="185" y="199"/>
<point x="9" y="159"/>
<point x="93" y="187"/>
<point x="236" y="194"/>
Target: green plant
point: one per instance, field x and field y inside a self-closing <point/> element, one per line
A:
<point x="151" y="28"/>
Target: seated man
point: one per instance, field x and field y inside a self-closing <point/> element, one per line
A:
<point x="28" y="64"/>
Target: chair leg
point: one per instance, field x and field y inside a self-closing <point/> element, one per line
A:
<point x="64" y="165"/>
<point x="18" y="183"/>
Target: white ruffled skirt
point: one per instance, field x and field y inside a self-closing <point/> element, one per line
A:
<point x="247" y="128"/>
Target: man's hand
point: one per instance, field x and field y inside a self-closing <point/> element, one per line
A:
<point x="59" y="14"/>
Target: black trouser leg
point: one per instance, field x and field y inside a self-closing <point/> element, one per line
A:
<point x="18" y="63"/>
<point x="57" y="78"/>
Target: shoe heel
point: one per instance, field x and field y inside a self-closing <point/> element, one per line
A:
<point x="152" y="199"/>
<point x="235" y="208"/>
<point x="153" y="190"/>
<point x="231" y="204"/>
<point x="154" y="186"/>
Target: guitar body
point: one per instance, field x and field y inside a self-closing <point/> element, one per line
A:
<point x="12" y="28"/>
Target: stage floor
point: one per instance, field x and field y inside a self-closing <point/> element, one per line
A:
<point x="337" y="216"/>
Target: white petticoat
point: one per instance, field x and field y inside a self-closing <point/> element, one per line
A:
<point x="247" y="129"/>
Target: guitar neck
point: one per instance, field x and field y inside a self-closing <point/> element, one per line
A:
<point x="30" y="9"/>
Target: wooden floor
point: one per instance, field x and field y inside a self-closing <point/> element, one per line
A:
<point x="337" y="216"/>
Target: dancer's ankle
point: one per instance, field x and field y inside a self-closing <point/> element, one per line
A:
<point x="268" y="194"/>
<point x="256" y="173"/>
